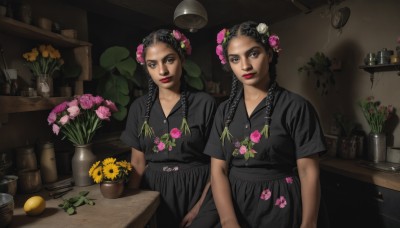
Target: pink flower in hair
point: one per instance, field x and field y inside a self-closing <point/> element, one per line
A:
<point x="139" y="54"/>
<point x="177" y="35"/>
<point x="273" y="41"/>
<point x="220" y="52"/>
<point x="221" y="36"/>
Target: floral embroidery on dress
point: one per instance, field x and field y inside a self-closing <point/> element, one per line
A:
<point x="167" y="140"/>
<point x="289" y="180"/>
<point x="266" y="194"/>
<point x="245" y="147"/>
<point x="281" y="202"/>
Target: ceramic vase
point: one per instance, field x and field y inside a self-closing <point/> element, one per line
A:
<point x="44" y="85"/>
<point x="376" y="147"/>
<point x="112" y="189"/>
<point x="82" y="160"/>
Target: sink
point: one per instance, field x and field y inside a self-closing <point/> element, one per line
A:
<point x="382" y="166"/>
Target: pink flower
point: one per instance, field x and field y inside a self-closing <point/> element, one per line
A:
<point x="289" y="180"/>
<point x="242" y="150"/>
<point x="255" y="136"/>
<point x="103" y="113"/>
<point x="74" y="102"/>
<point x="111" y="105"/>
<point x="266" y="194"/>
<point x="175" y="133"/>
<point x="86" y="101"/>
<point x="73" y="111"/>
<point x="60" y="108"/>
<point x="64" y="120"/>
<point x="220" y="52"/>
<point x="139" y="54"/>
<point x="237" y="144"/>
<point x="98" y="100"/>
<point x="177" y="35"/>
<point x="157" y="140"/>
<point x="273" y="41"/>
<point x="221" y="36"/>
<point x="51" y="118"/>
<point x="56" y="129"/>
<point x="281" y="202"/>
<point x="161" y="146"/>
<point x="169" y="148"/>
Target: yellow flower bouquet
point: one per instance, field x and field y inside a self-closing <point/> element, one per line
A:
<point x="43" y="60"/>
<point x="110" y="170"/>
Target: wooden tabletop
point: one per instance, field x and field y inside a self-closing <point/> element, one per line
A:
<point x="352" y="168"/>
<point x="133" y="209"/>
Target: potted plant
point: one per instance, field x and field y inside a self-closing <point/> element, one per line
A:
<point x="376" y="115"/>
<point x="320" y="66"/>
<point x="111" y="175"/>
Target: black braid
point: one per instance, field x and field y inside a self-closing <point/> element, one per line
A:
<point x="150" y="98"/>
<point x="234" y="86"/>
<point x="269" y="102"/>
<point x="233" y="106"/>
<point x="183" y="97"/>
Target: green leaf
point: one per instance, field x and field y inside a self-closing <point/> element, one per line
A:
<point x="84" y="193"/>
<point x="79" y="202"/>
<point x="71" y="211"/>
<point x="196" y="83"/>
<point x="112" y="56"/>
<point x="191" y="68"/>
<point x="121" y="114"/>
<point x="98" y="72"/>
<point x="127" y="67"/>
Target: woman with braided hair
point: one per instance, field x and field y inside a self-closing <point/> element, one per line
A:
<point x="168" y="129"/>
<point x="265" y="140"/>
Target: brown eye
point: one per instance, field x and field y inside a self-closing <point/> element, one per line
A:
<point x="234" y="59"/>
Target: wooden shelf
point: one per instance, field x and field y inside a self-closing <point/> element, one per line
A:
<point x="13" y="104"/>
<point x="17" y="28"/>
<point x="383" y="67"/>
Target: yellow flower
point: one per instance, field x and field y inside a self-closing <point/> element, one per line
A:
<point x="43" y="59"/>
<point x="97" y="175"/>
<point x="110" y="171"/>
<point x="94" y="166"/>
<point x="55" y="54"/>
<point x="45" y="54"/>
<point x="109" y="161"/>
<point x="42" y="48"/>
<point x="125" y="165"/>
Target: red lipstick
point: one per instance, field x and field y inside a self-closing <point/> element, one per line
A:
<point x="248" y="76"/>
<point x="166" y="79"/>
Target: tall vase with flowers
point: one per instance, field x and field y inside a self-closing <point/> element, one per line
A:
<point x="376" y="115"/>
<point x="78" y="121"/>
<point x="43" y="61"/>
<point x="111" y="175"/>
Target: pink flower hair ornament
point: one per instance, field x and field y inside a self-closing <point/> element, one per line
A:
<point x="180" y="37"/>
<point x="262" y="29"/>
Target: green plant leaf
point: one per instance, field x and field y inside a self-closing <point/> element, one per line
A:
<point x="191" y="68"/>
<point x="116" y="84"/>
<point x="98" y="72"/>
<point x="122" y="112"/>
<point x="71" y="210"/>
<point x="127" y="67"/>
<point x="196" y="83"/>
<point x="112" y="56"/>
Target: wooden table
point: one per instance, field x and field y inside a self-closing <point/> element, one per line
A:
<point x="134" y="208"/>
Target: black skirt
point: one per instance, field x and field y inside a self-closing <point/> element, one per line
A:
<point x="180" y="186"/>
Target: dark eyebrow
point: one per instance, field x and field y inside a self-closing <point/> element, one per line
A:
<point x="248" y="51"/>
<point x="164" y="58"/>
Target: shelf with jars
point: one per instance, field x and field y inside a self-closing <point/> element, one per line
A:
<point x="79" y="50"/>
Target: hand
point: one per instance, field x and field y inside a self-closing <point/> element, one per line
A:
<point x="189" y="217"/>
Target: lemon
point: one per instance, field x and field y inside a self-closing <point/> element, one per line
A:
<point x="34" y="205"/>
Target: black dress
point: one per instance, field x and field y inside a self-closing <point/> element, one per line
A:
<point x="264" y="184"/>
<point x="180" y="170"/>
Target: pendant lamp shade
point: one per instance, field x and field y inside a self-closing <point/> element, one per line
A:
<point x="190" y="14"/>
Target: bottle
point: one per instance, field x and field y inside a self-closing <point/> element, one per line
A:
<point x="48" y="163"/>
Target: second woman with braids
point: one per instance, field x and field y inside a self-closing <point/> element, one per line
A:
<point x="259" y="137"/>
<point x="168" y="129"/>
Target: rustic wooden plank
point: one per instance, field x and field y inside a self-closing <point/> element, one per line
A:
<point x="17" y="28"/>
<point x="13" y="104"/>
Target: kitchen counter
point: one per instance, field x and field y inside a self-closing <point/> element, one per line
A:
<point x="352" y="169"/>
<point x="134" y="208"/>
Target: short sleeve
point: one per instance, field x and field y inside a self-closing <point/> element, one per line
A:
<point x="306" y="130"/>
<point x="214" y="145"/>
<point x="130" y="136"/>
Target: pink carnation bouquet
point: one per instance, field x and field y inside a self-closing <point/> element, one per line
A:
<point x="79" y="118"/>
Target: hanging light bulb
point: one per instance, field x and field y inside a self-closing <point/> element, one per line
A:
<point x="190" y="14"/>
